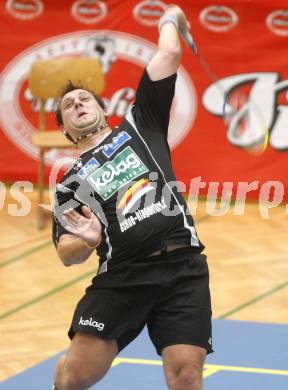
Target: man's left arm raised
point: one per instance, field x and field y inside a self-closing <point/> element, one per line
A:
<point x="168" y="56"/>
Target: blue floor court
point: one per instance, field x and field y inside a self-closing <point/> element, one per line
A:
<point x="248" y="356"/>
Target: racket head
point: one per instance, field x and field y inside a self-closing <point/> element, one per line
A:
<point x="244" y="119"/>
<point x="245" y="122"/>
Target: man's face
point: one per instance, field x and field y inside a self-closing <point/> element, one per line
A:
<point x="81" y="113"/>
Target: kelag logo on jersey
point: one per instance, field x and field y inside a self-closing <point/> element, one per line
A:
<point x="88" y="168"/>
<point x="117" y="141"/>
<point x="113" y="175"/>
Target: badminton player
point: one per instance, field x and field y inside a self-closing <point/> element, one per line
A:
<point x="120" y="197"/>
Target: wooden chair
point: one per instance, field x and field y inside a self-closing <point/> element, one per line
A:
<point x="46" y="79"/>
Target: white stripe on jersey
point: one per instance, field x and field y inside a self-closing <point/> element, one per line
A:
<point x="194" y="239"/>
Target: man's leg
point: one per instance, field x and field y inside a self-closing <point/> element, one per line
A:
<point x="183" y="366"/>
<point x="87" y="361"/>
<point x="180" y="324"/>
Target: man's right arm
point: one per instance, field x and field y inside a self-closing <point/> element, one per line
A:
<point x="86" y="235"/>
<point x="73" y="250"/>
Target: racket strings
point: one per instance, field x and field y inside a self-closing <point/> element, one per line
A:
<point x="244" y="120"/>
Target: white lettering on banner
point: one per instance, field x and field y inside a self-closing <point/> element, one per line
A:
<point x="128" y="47"/>
<point x="148" y="12"/>
<point x="261" y="109"/>
<point x="116" y="105"/>
<point x="142" y="214"/>
<point x="95" y="324"/>
<point x="89" y="12"/>
<point x="24" y="10"/>
<point x="218" y="18"/>
<point x="277" y="22"/>
<point x="120" y="101"/>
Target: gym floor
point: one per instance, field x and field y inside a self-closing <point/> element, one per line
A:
<point x="248" y="268"/>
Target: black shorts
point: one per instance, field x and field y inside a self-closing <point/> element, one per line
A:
<point x="176" y="311"/>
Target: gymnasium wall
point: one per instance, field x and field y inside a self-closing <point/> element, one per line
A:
<point x="244" y="43"/>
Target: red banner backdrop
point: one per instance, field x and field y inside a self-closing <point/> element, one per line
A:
<point x="244" y="43"/>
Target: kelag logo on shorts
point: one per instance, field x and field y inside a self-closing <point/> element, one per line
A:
<point x="113" y="175"/>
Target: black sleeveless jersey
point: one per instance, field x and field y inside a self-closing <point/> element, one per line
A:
<point x="128" y="182"/>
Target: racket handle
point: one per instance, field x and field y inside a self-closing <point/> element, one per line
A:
<point x="189" y="40"/>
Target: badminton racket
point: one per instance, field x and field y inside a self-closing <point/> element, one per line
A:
<point x="244" y="119"/>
